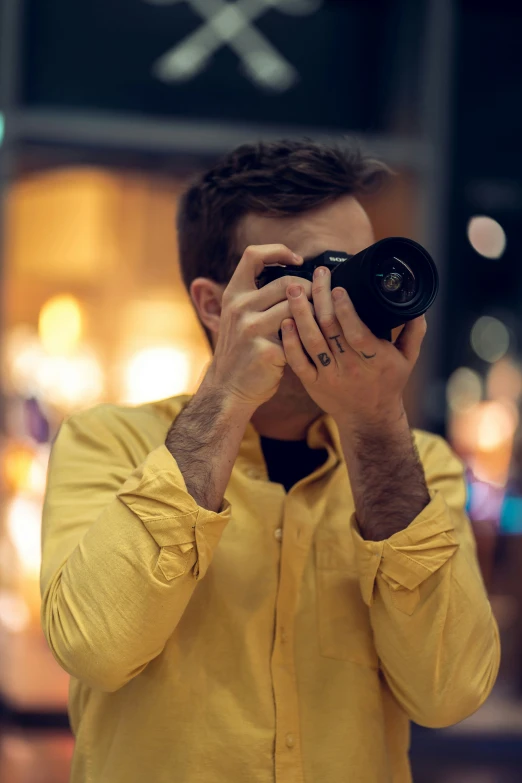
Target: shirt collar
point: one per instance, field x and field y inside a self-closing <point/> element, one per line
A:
<point x="322" y="434"/>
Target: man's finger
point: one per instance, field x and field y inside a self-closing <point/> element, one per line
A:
<point x="358" y="336"/>
<point x="410" y="339"/>
<point x="269" y="322"/>
<point x="254" y="260"/>
<point x="295" y="354"/>
<point x="266" y="297"/>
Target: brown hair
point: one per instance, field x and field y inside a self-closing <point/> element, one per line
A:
<point x="280" y="179"/>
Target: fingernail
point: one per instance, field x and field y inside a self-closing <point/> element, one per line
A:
<point x="288" y="326"/>
<point x="320" y="271"/>
<point x="297" y="258"/>
<point x="295" y="291"/>
<point x="337" y="294"/>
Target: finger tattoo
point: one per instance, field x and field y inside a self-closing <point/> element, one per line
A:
<point x="324" y="359"/>
<point x="366" y="356"/>
<point x="338" y="344"/>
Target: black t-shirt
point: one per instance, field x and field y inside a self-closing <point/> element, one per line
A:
<point x="288" y="461"/>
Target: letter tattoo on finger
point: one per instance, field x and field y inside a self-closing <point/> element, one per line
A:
<point x="324" y="359"/>
<point x="366" y="356"/>
<point x="338" y="344"/>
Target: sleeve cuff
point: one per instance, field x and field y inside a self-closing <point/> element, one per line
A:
<point x="186" y="534"/>
<point x="412" y="555"/>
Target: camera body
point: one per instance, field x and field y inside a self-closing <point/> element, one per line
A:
<point x="330" y="259"/>
<point x="389" y="283"/>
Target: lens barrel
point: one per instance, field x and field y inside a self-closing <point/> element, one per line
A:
<point x="389" y="283"/>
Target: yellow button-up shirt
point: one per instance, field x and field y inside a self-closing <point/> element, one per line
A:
<point x="267" y="643"/>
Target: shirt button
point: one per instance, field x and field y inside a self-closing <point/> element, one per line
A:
<point x="283" y="637"/>
<point x="253" y="474"/>
<point x="278" y="534"/>
<point x="290" y="740"/>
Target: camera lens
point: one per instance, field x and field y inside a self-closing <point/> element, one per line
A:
<point x="392" y="282"/>
<point x="396" y="280"/>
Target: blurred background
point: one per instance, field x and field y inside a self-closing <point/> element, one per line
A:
<point x="106" y="107"/>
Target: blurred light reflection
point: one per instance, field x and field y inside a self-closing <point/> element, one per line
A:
<point x="464" y="389"/>
<point x="504" y="380"/>
<point x="155" y="373"/>
<point x="23" y="525"/>
<point x="60" y="324"/>
<point x="14" y="612"/>
<point x="486" y="236"/>
<point x="70" y="381"/>
<point x="489" y="338"/>
<point x="496" y="424"/>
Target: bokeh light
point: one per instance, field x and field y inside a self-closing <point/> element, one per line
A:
<point x="60" y="324"/>
<point x="22" y="355"/>
<point x="464" y="389"/>
<point x="489" y="338"/>
<point x="486" y="502"/>
<point x="17" y="465"/>
<point x="504" y="380"/>
<point x="23" y="518"/>
<point x="15" y="615"/>
<point x="483" y="436"/>
<point x="64" y="380"/>
<point x="486" y="236"/>
<point x="69" y="382"/>
<point x="25" y="467"/>
<point x="496" y="424"/>
<point x="155" y="373"/>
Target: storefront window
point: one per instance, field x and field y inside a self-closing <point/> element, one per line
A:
<point x="95" y="312"/>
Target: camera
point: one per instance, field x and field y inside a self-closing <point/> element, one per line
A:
<point x="389" y="283"/>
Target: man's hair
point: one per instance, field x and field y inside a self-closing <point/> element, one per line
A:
<point x="278" y="179"/>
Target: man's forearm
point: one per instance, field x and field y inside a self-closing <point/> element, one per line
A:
<point x="387" y="477"/>
<point x="204" y="440"/>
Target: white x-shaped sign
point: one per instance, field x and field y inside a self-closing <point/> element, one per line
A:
<point x="232" y="24"/>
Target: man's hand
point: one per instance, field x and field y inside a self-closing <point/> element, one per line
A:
<point x="245" y="371"/>
<point x="249" y="359"/>
<point x="359" y="380"/>
<point x="354" y="376"/>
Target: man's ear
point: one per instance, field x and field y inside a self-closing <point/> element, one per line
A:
<point x="206" y="296"/>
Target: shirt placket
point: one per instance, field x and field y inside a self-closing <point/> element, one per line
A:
<point x="294" y="537"/>
<point x="295" y="544"/>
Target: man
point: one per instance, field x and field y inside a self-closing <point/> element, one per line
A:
<point x="267" y="582"/>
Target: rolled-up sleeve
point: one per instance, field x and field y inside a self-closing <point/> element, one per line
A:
<point x="410" y="557"/>
<point x="124" y="546"/>
<point x="185" y="533"/>
<point x="434" y="630"/>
